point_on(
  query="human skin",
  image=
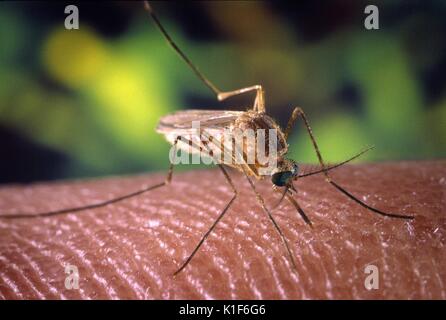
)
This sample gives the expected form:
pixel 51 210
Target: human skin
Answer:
pixel 130 249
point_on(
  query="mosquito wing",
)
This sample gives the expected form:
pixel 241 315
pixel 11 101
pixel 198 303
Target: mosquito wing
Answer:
pixel 193 124
pixel 209 119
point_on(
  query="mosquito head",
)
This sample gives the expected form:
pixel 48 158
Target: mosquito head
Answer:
pixel 286 171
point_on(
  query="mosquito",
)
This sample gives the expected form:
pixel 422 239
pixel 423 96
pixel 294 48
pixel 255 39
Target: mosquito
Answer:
pixel 282 177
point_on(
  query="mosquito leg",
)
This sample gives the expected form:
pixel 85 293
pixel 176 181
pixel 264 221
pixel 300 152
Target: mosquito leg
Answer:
pixel 299 112
pixel 177 49
pixel 270 216
pixel 259 102
pixel 386 214
pixel 99 204
pixel 228 178
pixel 262 203
pixel 291 123
pixel 171 165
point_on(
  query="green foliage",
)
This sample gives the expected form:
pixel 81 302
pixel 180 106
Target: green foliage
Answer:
pixel 103 97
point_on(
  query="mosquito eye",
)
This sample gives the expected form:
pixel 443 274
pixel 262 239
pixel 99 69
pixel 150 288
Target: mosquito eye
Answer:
pixel 281 178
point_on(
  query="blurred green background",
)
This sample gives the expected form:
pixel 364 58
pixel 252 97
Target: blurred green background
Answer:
pixel 82 103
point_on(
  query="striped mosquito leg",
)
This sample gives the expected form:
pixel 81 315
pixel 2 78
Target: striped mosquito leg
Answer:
pixel 299 112
pixel 220 216
pixel 270 216
pixel 225 209
pixel 259 102
pixel 95 205
pixel 170 172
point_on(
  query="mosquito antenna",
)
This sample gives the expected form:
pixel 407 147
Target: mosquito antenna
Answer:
pixel 205 80
pixel 336 165
pixel 91 206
